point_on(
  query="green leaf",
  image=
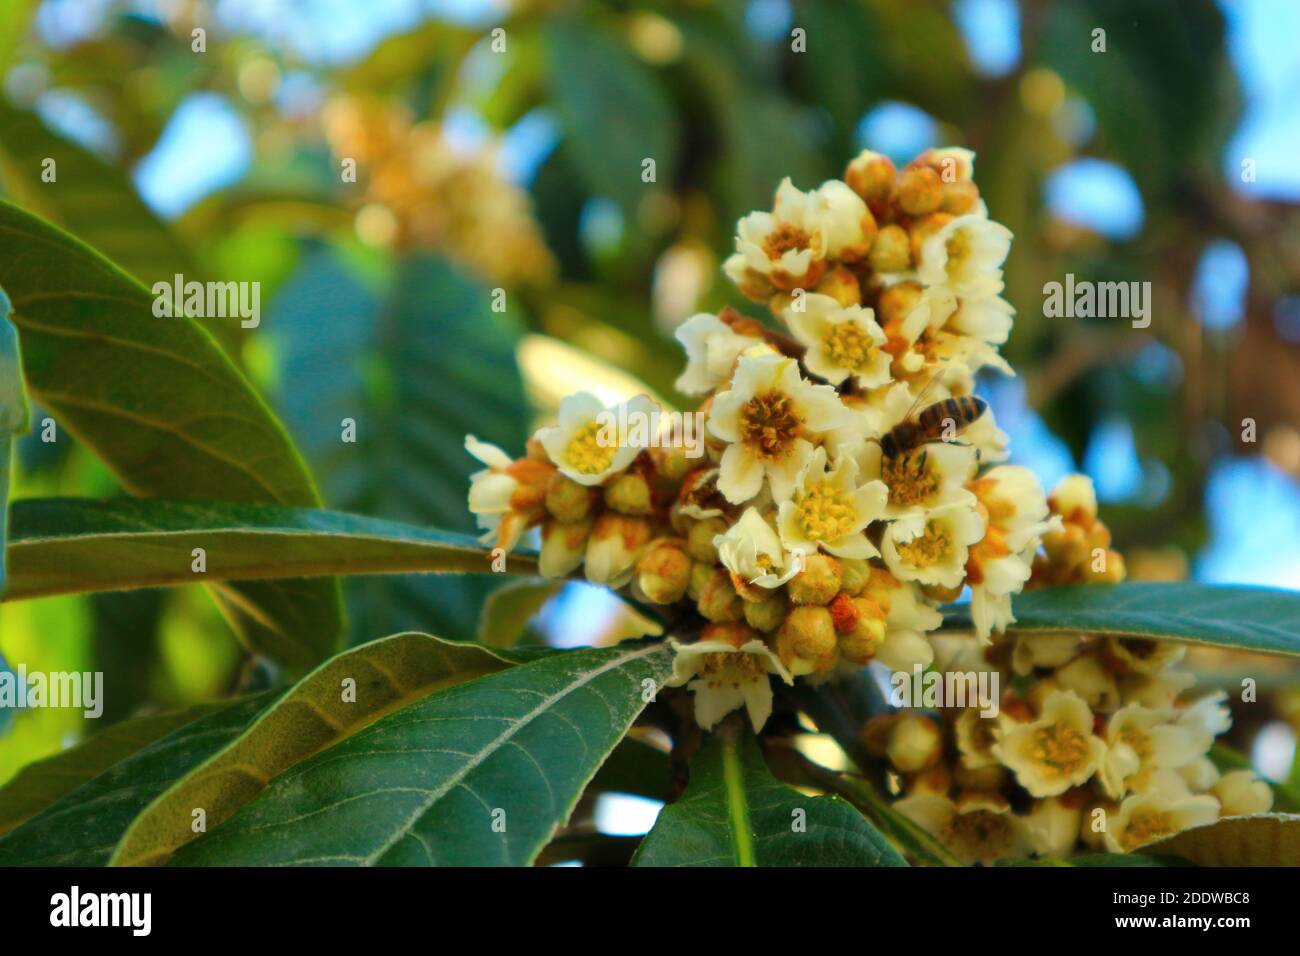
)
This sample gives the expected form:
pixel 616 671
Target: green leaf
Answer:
pixel 426 784
pixel 1249 618
pixel 318 713
pixel 735 813
pixel 94 201
pixel 69 545
pixel 1264 839
pixel 14 417
pixel 613 111
pixel 82 828
pixel 418 364
pixel 40 784
pixel 165 409
pixel 509 609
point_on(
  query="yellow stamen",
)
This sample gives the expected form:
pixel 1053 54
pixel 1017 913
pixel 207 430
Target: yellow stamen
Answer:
pixel 827 513
pixel 586 453
pixel 848 345
pixel 769 424
pixel 926 549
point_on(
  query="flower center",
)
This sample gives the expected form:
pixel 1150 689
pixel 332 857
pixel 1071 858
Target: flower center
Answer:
pixel 731 670
pixel 979 834
pixel 768 423
pixel 926 549
pixel 1136 739
pixel 1145 826
pixel 909 478
pixel 586 453
pixel 826 513
pixel 959 249
pixel 1060 747
pixel 785 238
pixel 848 345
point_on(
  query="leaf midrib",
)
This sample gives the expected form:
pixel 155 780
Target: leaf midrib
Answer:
pixel 501 740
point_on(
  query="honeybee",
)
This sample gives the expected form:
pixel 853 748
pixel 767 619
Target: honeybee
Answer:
pixel 940 421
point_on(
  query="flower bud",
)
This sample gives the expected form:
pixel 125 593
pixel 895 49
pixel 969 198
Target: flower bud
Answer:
pixel 731 632
pixel 568 501
pixel 766 615
pixel 842 286
pixel 937 780
pixel 892 250
pixel 871 175
pixel 699 540
pixel 563 546
pixel 806 642
pixel 614 547
pixel 629 494
pixel 672 462
pixel 1242 793
pixel 859 645
pixel 817 583
pixel 718 601
pixel 960 197
pixel 854 575
pixel 700 575
pixel 664 572
pixel 915 744
pixel 919 190
pixel 897 301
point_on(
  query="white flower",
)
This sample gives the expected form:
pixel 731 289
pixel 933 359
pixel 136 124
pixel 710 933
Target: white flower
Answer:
pixel 845 221
pixel 1075 499
pixel 727 674
pixel 841 341
pixel 753 552
pixel 1145 740
pixel 966 255
pixel 923 479
pixel 771 417
pixel 1087 677
pixel 1054 827
pixel 976 736
pixel 1161 811
pixel 1145 655
pixel 787 247
pixel 1056 751
pixel 829 509
pixel 589 444
pixel 1242 793
pixel 932 549
pixel 1016 518
pixel 505 497
pixel 712 349
pixel 980 828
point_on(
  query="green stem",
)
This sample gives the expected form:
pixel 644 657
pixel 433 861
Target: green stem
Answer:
pixel 737 806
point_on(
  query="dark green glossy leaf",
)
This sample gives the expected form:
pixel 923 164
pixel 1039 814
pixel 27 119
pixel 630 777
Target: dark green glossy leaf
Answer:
pixel 65 545
pixel 164 408
pixel 735 813
pixel 14 416
pixel 94 201
pixel 82 828
pixel 40 784
pixel 1249 618
pixel 613 112
pixel 481 774
pixel 417 363
pixel 323 709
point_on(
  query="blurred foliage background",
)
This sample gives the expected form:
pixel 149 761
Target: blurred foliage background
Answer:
pixel 499 148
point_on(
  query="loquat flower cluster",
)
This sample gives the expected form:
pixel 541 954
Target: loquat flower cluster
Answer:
pixel 847 482
pixel 1097 747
